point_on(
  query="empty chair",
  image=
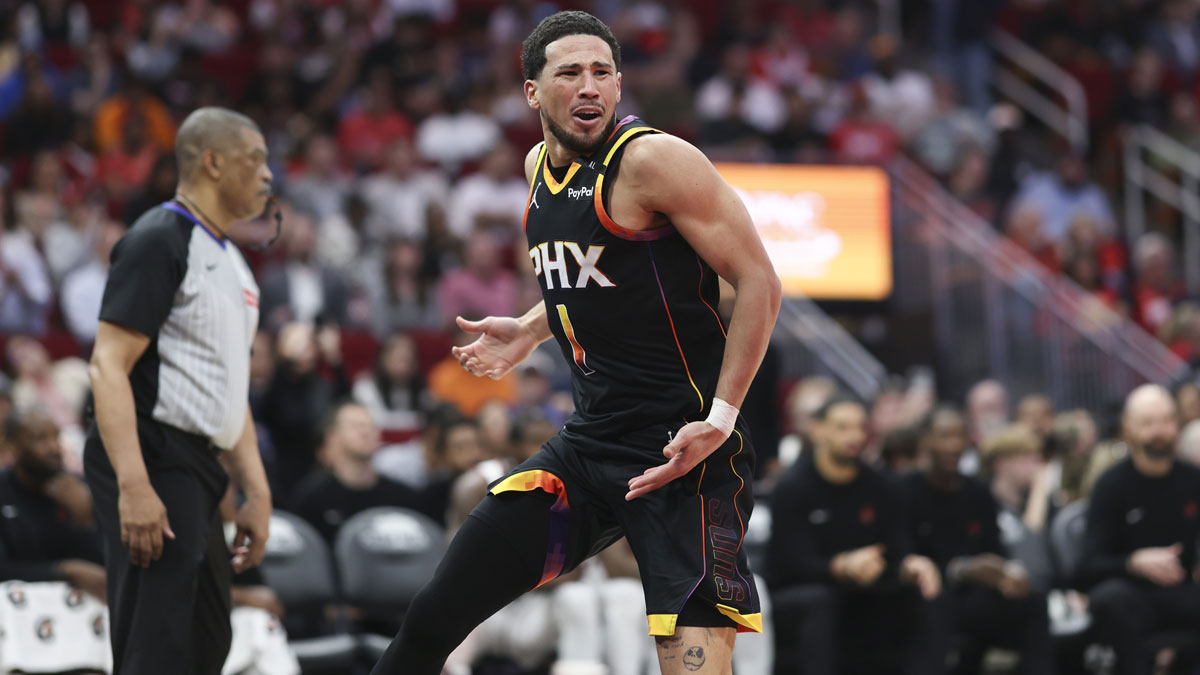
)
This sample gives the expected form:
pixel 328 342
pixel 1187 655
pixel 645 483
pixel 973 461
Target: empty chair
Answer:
pixel 299 567
pixel 385 555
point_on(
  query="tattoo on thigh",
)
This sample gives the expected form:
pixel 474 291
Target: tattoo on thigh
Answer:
pixel 668 644
pixel 694 658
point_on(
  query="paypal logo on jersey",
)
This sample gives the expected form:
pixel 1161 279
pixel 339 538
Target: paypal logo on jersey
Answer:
pixel 553 263
pixel 580 193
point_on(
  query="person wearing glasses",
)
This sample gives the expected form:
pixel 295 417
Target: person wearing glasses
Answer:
pixel 170 373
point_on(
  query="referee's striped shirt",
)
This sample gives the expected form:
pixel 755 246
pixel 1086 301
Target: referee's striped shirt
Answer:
pixel 194 296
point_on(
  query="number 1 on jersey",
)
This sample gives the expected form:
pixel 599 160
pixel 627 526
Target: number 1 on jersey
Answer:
pixel 580 356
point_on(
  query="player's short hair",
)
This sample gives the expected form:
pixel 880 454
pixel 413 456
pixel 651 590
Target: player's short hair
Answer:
pixel 560 25
pixel 208 128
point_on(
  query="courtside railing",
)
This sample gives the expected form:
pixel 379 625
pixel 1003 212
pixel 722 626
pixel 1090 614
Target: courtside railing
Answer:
pixel 1168 170
pixel 1042 89
pixel 812 343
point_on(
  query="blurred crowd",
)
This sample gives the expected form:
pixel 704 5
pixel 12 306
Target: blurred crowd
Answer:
pixel 396 130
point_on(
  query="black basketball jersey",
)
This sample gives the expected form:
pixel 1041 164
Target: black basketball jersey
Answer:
pixel 634 312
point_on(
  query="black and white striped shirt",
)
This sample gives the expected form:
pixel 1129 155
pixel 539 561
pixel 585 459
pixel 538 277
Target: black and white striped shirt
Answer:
pixel 195 297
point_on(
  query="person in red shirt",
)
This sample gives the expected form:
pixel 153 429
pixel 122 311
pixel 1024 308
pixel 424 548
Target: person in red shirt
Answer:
pixel 1158 286
pixel 860 138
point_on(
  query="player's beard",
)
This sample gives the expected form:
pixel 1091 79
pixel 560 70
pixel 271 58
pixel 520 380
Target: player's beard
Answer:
pixel 577 143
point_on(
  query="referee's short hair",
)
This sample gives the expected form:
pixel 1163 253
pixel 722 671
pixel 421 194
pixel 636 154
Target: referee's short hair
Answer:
pixel 208 128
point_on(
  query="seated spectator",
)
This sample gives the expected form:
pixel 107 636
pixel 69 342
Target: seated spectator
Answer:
pixel 1036 412
pixel 83 287
pixel 860 137
pixel 298 396
pixel 1157 287
pixel 134 99
pixel 1012 458
pixel 57 387
pixel 25 293
pixel 403 199
pixel 954 520
pixel 299 288
pixel 482 285
pixel 902 96
pixel 987 411
pixel 805 398
pixel 493 198
pixel 399 288
pixel 48 532
pixel 320 187
pixel 450 383
pixel 461 131
pixel 840 554
pixel 902 452
pixel 393 391
pixel 1187 398
pixel 126 166
pixel 1188 447
pixel 1025 227
pixel 1062 195
pixel 349 483
pixel 1142 525
pixel 453 447
pixel 365 132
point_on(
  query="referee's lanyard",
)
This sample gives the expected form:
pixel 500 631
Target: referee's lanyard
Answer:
pixel 177 208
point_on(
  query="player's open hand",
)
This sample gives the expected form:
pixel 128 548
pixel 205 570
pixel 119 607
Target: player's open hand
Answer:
pixel 694 442
pixel 504 342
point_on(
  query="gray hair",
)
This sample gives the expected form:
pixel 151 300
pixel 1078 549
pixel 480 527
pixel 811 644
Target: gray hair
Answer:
pixel 209 128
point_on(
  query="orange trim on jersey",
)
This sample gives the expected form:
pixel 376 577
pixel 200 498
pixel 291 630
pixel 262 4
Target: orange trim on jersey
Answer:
pixel 534 479
pixel 700 292
pixel 556 545
pixel 598 199
pixel 674 333
pixel 532 187
pixel 555 186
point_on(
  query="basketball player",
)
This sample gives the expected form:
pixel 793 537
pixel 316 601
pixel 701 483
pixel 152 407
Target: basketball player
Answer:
pixel 628 230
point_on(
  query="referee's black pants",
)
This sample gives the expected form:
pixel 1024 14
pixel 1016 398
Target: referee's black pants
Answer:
pixel 173 616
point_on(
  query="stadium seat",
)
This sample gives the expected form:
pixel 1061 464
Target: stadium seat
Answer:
pixel 299 568
pixel 385 555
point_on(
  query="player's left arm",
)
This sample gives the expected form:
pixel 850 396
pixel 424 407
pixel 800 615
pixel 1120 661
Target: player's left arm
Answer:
pixel 670 176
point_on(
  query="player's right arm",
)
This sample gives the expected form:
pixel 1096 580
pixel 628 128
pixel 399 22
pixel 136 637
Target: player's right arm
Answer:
pixel 504 341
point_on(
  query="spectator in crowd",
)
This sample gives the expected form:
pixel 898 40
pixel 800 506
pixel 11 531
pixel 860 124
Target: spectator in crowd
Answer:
pixel 950 133
pixel 126 166
pixel 1144 99
pixel 1036 412
pixel 482 285
pixel 404 200
pixel 319 188
pixel 451 383
pixel 840 553
pixel 961 29
pixel 25 292
pixel 734 93
pixel 83 287
pixel 340 236
pixel 804 399
pixel 1175 36
pixel 1142 523
pixel 393 391
pixel 987 409
pixel 1064 194
pixel 902 452
pixel 453 447
pixel 133 102
pixel 861 137
pixel 58 387
pixel 1188 447
pixel 348 483
pixel 492 198
pixel 902 96
pixel 954 520
pixel 461 132
pixel 399 288
pixel 1158 286
pixel 1187 399
pixel 373 125
pixel 298 396
pixel 158 188
pixel 48 532
pixel 1012 458
pixel 299 288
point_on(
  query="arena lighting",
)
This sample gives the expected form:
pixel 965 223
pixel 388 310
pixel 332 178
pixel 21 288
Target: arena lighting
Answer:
pixel 827 229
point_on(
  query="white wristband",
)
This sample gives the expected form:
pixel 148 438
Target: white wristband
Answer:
pixel 722 416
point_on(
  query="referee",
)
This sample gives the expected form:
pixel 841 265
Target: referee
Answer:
pixel 170 373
